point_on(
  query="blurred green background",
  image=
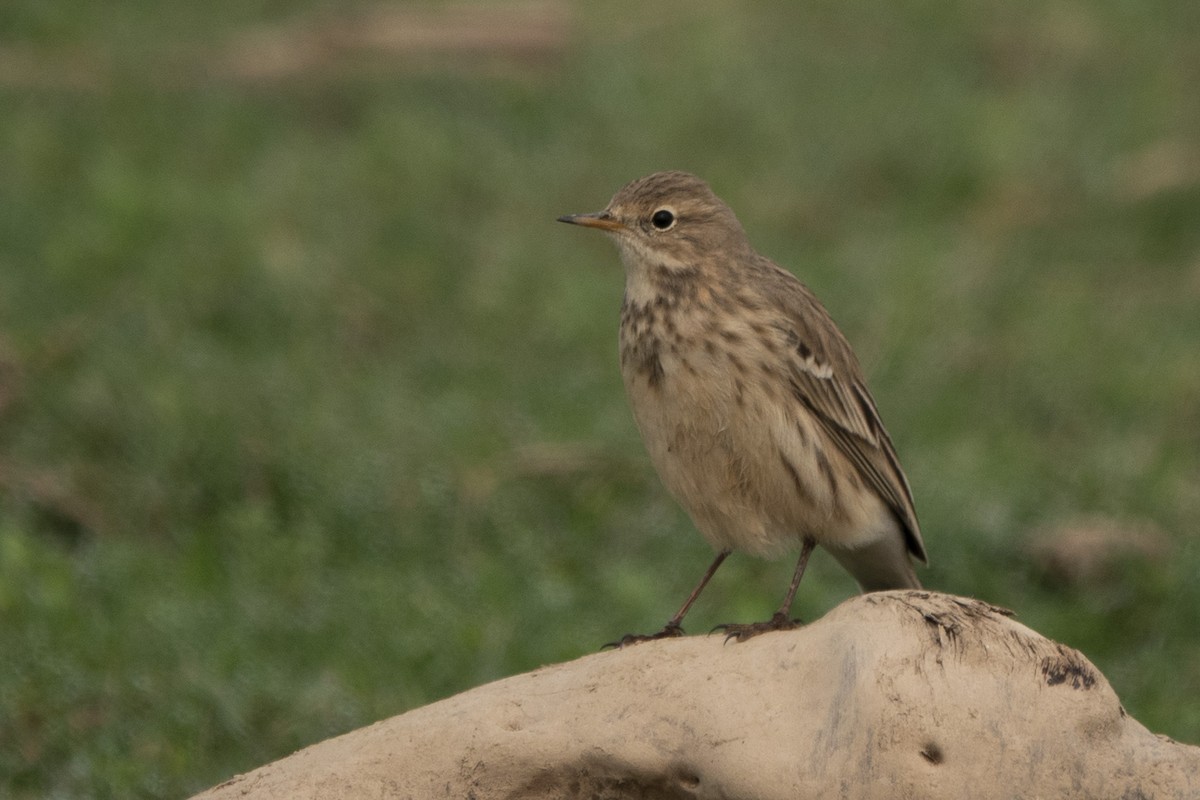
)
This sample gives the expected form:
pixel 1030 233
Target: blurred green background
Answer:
pixel 310 412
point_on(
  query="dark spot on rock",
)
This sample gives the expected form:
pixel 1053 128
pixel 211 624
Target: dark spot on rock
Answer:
pixel 944 627
pixel 1135 793
pixel 1068 667
pixel 688 779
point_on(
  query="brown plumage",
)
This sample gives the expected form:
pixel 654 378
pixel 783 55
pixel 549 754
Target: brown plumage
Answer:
pixel 751 403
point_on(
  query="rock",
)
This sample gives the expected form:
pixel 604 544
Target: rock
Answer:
pixel 891 695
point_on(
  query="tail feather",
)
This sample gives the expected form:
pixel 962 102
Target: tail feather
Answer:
pixel 880 566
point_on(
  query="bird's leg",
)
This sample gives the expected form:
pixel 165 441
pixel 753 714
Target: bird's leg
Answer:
pixel 673 623
pixel 801 564
pixel 781 620
pixel 673 626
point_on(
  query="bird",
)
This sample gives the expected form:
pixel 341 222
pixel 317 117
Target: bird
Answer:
pixel 749 399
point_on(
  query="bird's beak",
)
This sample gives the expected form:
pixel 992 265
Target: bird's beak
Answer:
pixel 601 219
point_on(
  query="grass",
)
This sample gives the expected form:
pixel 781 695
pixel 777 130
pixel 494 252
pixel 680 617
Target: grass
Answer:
pixel 309 412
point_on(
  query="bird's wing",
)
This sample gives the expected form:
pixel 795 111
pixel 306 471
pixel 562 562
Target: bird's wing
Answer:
pixel 824 375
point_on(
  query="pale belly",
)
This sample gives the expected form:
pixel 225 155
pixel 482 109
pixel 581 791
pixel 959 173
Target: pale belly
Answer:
pixel 750 468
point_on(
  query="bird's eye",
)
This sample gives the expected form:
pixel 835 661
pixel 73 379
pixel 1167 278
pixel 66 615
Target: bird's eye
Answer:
pixel 662 219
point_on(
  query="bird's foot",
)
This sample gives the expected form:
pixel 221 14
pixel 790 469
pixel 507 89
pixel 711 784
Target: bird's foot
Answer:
pixel 740 632
pixel 669 631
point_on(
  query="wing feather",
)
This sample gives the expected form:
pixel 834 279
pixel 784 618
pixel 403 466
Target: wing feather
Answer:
pixel 825 377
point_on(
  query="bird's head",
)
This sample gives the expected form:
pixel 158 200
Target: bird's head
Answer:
pixel 668 220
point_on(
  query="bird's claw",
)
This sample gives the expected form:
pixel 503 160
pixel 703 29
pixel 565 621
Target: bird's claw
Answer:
pixel 669 631
pixel 740 632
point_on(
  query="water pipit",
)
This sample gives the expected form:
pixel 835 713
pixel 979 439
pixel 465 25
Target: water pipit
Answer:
pixel 750 401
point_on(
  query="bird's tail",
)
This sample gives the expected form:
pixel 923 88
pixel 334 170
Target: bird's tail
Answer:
pixel 880 566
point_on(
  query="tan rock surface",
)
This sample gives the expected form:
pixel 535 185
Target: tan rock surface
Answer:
pixel 890 695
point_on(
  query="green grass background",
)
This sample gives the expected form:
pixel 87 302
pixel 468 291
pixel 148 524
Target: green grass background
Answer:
pixel 310 412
